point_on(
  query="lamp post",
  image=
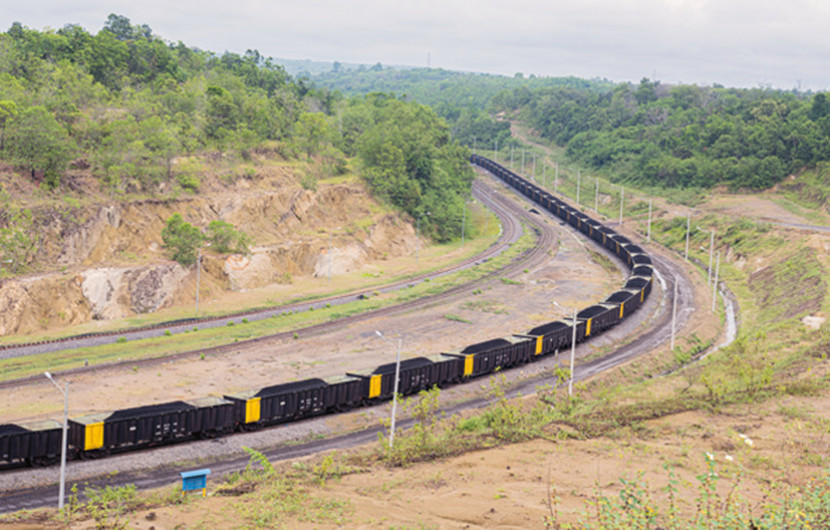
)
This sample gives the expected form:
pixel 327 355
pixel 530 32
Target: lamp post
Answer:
pixel 418 237
pixel 688 229
pixel 711 253
pixel 65 392
pixel 395 390
pixel 573 352
pixel 199 276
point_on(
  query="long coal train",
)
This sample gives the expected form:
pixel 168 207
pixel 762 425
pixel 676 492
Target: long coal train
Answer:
pixel 104 433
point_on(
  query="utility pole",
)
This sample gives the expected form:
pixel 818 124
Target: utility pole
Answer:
pixel 715 284
pixel 544 174
pixel 395 390
pixel 596 196
pixel 578 179
pixel 688 229
pixel 621 204
pixel 648 230
pixel 674 313
pixel 475 141
pixel 511 158
pixel 711 254
pixel 534 167
pixel 573 354
pixel 556 177
pixel 496 150
pixel 523 162
pixel 65 392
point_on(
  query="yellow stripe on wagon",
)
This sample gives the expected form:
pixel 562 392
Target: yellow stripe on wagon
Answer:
pixel 588 327
pixel 94 436
pixel 253 410
pixel 374 385
pixel 468 364
pixel 539 340
pixel 622 309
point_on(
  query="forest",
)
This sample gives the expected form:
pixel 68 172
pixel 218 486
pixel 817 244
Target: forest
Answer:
pixel 130 108
pixel 671 136
pixel 462 98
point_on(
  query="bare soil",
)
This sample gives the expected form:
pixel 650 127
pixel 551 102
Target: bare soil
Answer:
pixel 570 277
pixel 518 486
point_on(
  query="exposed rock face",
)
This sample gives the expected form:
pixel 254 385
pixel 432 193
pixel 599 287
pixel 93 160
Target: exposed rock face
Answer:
pixel 41 303
pixel 117 293
pixel 122 269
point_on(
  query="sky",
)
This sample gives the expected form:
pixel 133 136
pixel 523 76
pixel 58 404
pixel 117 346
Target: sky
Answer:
pixel 737 43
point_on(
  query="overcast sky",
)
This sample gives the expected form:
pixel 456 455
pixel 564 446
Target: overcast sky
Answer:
pixel 747 43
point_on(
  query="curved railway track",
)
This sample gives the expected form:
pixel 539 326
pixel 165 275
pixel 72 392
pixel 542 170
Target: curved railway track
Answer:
pixel 655 333
pixel 511 231
pixel 511 218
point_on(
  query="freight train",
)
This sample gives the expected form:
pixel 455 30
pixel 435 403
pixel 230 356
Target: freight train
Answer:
pixel 100 434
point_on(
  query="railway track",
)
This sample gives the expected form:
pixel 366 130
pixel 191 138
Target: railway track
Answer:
pixel 511 231
pixel 657 330
pixel 510 216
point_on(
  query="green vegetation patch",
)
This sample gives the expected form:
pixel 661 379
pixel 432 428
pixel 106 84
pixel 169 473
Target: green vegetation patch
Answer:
pixel 791 287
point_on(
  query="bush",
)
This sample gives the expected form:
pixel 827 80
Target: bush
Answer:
pixel 226 239
pixel 181 239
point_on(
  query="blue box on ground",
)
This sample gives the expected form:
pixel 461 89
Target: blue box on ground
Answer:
pixel 195 480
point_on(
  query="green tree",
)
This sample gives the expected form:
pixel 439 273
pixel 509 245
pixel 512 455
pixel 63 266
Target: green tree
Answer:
pixel 38 142
pixel 226 239
pixel 182 239
pixel 8 109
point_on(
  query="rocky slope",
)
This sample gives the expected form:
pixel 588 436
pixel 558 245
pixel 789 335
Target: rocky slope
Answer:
pixel 105 260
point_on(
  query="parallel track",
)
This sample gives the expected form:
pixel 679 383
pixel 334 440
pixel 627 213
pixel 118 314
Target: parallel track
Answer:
pixel 511 232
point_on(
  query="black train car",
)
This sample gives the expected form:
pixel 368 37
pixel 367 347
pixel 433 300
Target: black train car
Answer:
pixel 419 373
pixel 646 270
pixel 151 425
pixel 34 443
pixel 558 334
pixel 599 317
pixel 485 357
pixel 627 299
pixel 288 401
pixel 642 283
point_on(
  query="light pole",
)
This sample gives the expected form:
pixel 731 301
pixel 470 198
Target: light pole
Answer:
pixel 418 237
pixel 715 285
pixel 199 276
pixel 673 313
pixel 622 193
pixel 65 392
pixel 711 253
pixel 395 390
pixel 688 229
pixel 578 185
pixel 573 352
pixel 648 230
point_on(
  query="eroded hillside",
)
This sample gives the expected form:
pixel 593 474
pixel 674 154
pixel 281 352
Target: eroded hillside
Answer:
pixel 101 257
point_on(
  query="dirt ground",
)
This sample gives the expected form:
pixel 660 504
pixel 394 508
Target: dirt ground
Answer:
pixel 570 277
pixel 511 487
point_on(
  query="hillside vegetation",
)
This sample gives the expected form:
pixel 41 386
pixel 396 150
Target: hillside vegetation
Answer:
pixel 138 116
pixel 681 136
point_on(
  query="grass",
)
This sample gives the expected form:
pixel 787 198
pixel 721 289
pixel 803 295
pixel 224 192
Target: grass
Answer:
pixel 159 347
